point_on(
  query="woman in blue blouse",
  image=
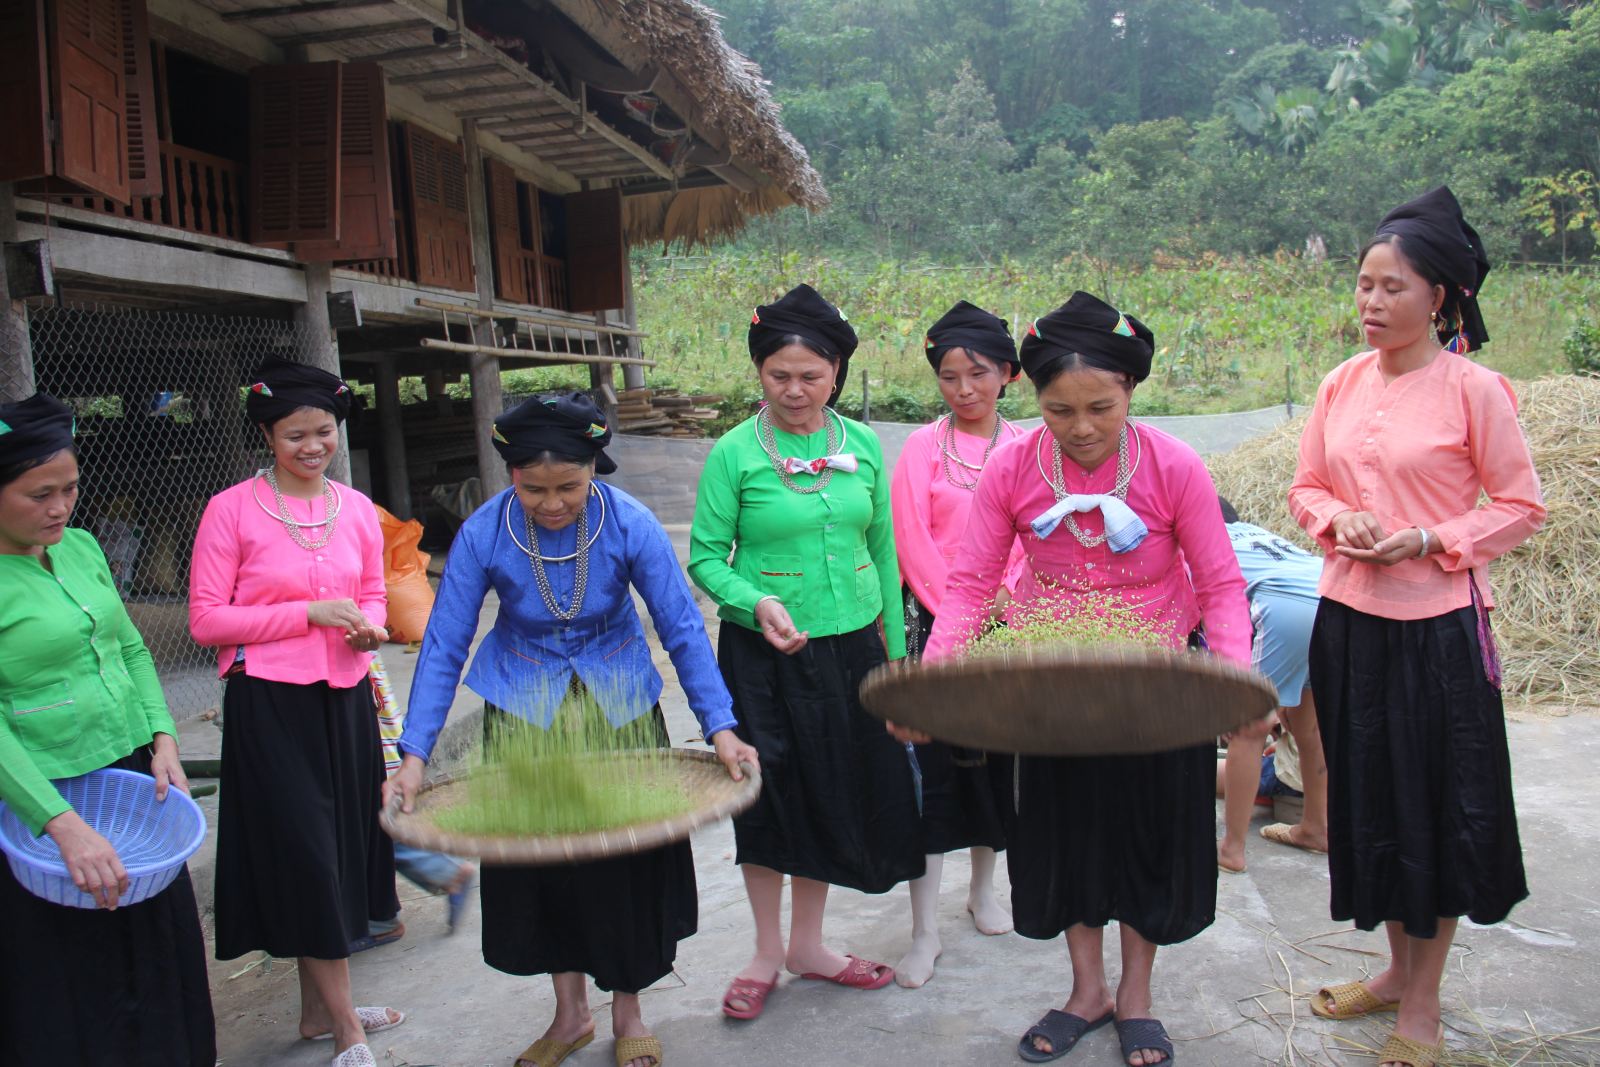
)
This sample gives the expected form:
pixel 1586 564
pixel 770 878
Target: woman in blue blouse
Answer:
pixel 570 626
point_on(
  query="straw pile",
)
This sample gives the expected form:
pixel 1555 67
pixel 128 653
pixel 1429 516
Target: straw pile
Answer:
pixel 1548 598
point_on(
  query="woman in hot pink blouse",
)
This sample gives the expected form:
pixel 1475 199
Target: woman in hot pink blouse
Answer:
pixel 1104 508
pixel 974 357
pixel 1403 442
pixel 287 583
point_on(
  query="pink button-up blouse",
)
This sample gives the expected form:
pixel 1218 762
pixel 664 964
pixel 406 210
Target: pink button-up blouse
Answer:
pixel 249 585
pixel 1184 571
pixel 1416 451
pixel 930 514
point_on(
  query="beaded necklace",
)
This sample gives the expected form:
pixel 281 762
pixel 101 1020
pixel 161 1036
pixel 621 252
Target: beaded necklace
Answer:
pixel 948 452
pixel 1058 482
pixel 332 504
pixel 837 435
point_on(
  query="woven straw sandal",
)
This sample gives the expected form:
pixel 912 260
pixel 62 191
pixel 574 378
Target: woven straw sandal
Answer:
pixel 1348 1000
pixel 638 1048
pixel 1412 1053
pixel 547 1051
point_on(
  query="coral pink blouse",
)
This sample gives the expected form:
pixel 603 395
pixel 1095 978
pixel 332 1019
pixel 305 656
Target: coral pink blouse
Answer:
pixel 930 514
pixel 1417 451
pixel 1185 571
pixel 249 585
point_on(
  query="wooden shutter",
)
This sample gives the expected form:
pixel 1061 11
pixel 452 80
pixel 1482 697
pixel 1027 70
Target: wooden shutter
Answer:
pixel 366 197
pixel 597 256
pixel 294 152
pixel 87 95
pixel 25 118
pixel 440 230
pixel 139 100
pixel 504 233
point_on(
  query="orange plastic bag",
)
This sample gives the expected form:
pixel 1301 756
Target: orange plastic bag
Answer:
pixel 405 577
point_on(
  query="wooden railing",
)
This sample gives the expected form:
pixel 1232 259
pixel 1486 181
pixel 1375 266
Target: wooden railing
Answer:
pixel 202 194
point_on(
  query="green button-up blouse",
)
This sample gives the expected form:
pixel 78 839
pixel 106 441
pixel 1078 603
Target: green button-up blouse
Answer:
pixel 828 555
pixel 78 689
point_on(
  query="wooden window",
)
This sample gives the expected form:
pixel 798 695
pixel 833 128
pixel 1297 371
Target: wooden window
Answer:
pixel 139 96
pixel 87 95
pixel 597 255
pixel 505 233
pixel 294 152
pixel 441 235
pixel 366 196
pixel 25 120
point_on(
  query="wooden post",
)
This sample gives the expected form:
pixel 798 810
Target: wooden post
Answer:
pixel 396 472
pixel 602 376
pixel 16 349
pixel 487 397
pixel 323 348
pixel 632 373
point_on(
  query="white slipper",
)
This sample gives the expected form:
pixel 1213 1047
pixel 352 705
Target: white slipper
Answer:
pixel 355 1056
pixel 373 1020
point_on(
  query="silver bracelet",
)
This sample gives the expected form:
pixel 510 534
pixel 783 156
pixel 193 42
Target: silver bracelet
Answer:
pixel 762 600
pixel 1423 551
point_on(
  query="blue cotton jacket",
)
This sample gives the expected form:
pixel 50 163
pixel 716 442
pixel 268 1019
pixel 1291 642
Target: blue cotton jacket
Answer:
pixel 527 661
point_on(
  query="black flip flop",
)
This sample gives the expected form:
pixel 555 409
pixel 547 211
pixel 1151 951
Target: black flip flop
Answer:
pixel 1144 1035
pixel 1062 1029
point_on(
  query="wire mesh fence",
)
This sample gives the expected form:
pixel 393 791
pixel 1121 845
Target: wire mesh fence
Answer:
pixel 161 428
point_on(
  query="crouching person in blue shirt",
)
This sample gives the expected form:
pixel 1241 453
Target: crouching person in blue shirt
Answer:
pixel 561 551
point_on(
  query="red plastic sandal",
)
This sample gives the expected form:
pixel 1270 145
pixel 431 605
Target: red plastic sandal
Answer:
pixel 858 974
pixel 754 995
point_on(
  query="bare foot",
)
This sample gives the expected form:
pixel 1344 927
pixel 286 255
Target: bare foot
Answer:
pixel 1230 856
pixel 916 966
pixel 988 916
pixel 818 960
pixel 322 1025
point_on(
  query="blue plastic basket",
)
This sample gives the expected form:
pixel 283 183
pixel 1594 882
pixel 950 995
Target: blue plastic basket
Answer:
pixel 153 839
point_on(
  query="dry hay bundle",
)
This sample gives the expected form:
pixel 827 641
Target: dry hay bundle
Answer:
pixel 1547 618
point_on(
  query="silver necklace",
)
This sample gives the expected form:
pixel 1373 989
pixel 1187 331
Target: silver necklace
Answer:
pixel 948 452
pixel 331 506
pixel 1058 482
pixel 580 584
pixel 769 444
pixel 511 499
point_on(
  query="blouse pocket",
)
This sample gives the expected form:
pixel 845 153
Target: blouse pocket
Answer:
pixel 783 577
pixel 867 589
pixel 45 717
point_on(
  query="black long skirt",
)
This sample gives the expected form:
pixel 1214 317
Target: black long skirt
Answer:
pixel 1421 819
pixel 617 920
pixel 837 802
pixel 301 862
pixel 91 986
pixel 966 793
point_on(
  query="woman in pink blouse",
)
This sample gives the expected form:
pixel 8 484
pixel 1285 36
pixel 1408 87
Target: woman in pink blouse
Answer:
pixel 287 583
pixel 1402 443
pixel 1104 508
pixel 974 357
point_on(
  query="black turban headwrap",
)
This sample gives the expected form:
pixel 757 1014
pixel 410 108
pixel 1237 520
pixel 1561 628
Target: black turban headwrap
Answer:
pixel 802 313
pixel 279 388
pixel 564 424
pixel 1102 335
pixel 34 428
pixel 969 326
pixel 1434 234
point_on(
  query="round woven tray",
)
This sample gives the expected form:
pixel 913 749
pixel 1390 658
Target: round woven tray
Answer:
pixel 1071 702
pixel 716 797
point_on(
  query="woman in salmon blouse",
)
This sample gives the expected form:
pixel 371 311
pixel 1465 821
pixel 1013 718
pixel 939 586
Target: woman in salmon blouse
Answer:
pixel 974 357
pixel 1402 442
pixel 287 583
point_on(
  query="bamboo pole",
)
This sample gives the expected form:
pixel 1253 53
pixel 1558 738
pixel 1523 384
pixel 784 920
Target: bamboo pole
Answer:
pixel 529 353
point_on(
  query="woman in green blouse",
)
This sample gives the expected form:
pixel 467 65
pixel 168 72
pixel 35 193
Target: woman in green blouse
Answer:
pixel 78 692
pixel 793 539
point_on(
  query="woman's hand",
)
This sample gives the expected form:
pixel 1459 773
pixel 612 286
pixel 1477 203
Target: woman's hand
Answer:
pixel 367 638
pixel 337 615
pixel 406 783
pixel 778 628
pixel 166 766
pixel 906 735
pixel 732 752
pixel 93 863
pixel 1357 529
pixel 1406 544
pixel 1002 600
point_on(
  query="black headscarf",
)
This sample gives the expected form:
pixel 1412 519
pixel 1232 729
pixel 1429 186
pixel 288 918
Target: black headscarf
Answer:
pixel 566 424
pixel 279 388
pixel 1102 335
pixel 969 326
pixel 34 428
pixel 801 312
pixel 1434 233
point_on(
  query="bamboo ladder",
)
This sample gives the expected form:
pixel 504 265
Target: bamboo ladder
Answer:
pixel 607 336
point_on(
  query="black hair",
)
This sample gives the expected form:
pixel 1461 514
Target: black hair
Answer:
pixel 1428 273
pixel 1057 365
pixel 269 424
pixel 558 458
pixel 784 340
pixel 1001 365
pixel 10 472
pixel 1228 512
